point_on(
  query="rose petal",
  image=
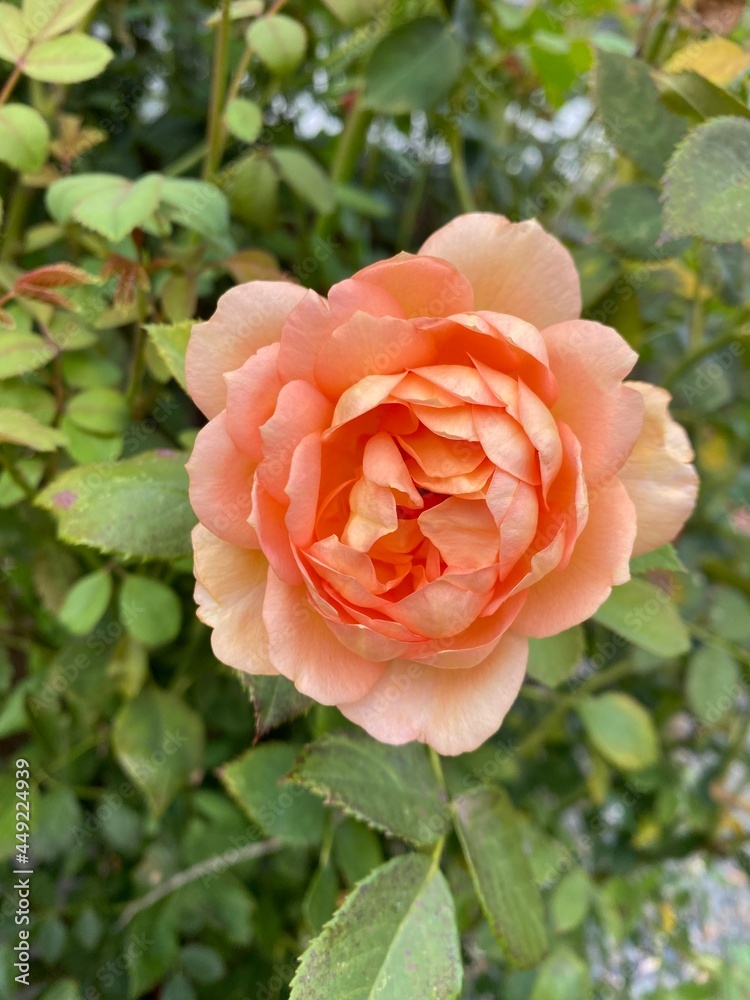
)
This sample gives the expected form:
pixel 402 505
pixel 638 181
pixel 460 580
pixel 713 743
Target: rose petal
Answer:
pixel 515 268
pixel 221 482
pixel 600 560
pixel 252 393
pixel 590 361
pixel 463 531
pixel 303 648
pixel 247 318
pixel 230 586
pixel 422 285
pixel 454 711
pixel 658 476
pixel 300 410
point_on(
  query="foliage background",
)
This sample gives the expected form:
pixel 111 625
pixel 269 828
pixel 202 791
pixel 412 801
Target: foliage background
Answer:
pixel 616 792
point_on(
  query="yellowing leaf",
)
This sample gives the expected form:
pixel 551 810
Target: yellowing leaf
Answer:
pixel 24 137
pixel 14 36
pixel 68 59
pixel 716 59
pixel 45 19
pixel 18 427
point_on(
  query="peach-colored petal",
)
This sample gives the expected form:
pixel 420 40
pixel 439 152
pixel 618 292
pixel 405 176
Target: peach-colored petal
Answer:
pixel 454 711
pixel 365 345
pixel 252 392
pixel 453 422
pixel 302 488
pixel 600 560
pixel 515 268
pixel 461 484
pixel 442 457
pixel 268 519
pixel 363 397
pixel 446 606
pixel 247 318
pixel 461 381
pixel 221 483
pixel 590 361
pixel 230 586
pixel 423 286
pixel 506 443
pixel 373 514
pixel 463 531
pixel 305 330
pixel 542 432
pixel 383 464
pixel 300 410
pixel 303 648
pixel 658 476
pixel 515 508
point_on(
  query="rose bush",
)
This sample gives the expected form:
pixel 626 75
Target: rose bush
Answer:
pixel 398 485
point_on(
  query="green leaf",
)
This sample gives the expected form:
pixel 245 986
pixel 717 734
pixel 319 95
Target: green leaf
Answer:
pixel 24 137
pixel 352 12
pixel 69 59
pixel 712 683
pixel 45 20
pixel 413 67
pixel 99 411
pixel 170 341
pixel 663 558
pixel 305 177
pixel 149 610
pixel 135 508
pixel 244 119
pixel 197 205
pixel 319 902
pixel 23 352
pixel 19 427
pixel 598 270
pixel 391 787
pixel 646 616
pixel 202 964
pixel 158 741
pixel 707 183
pixel 569 903
pixel 730 616
pixel 395 936
pixel 636 121
pixel 630 218
pixel 275 700
pixel 356 849
pixel 621 730
pixel 491 837
pixel 14 35
pixel 86 602
pixel 554 660
pixel 279 42
pixel 238 9
pixel 280 809
pixel 110 205
pixel 152 946
pixel 564 976
pixel 693 95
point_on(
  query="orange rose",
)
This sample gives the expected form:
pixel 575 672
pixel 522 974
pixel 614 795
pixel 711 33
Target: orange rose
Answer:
pixel 400 484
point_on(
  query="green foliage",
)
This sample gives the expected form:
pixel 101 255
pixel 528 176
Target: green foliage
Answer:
pixel 392 788
pixel 394 936
pixel 707 188
pixel 150 157
pixel 492 840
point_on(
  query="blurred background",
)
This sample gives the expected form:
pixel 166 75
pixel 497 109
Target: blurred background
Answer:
pixel 195 146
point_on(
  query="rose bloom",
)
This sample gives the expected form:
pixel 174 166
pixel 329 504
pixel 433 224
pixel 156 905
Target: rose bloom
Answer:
pixel 398 485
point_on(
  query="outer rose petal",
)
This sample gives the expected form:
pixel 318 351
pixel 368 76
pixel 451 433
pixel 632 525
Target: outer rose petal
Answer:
pixel 230 585
pixel 221 483
pixel 453 710
pixel 515 268
pixel 590 361
pixel 658 477
pixel 600 560
pixel 422 286
pixel 252 392
pixel 303 648
pixel 247 318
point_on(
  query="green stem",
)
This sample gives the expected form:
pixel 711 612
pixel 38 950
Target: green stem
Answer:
pixel 188 160
pixel 460 174
pixel 10 84
pixel 218 88
pixel 725 645
pixel 15 222
pixel 214 865
pixel 138 365
pixel 350 144
pixel 656 43
pixel 9 464
pixel 437 767
pixel 536 739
